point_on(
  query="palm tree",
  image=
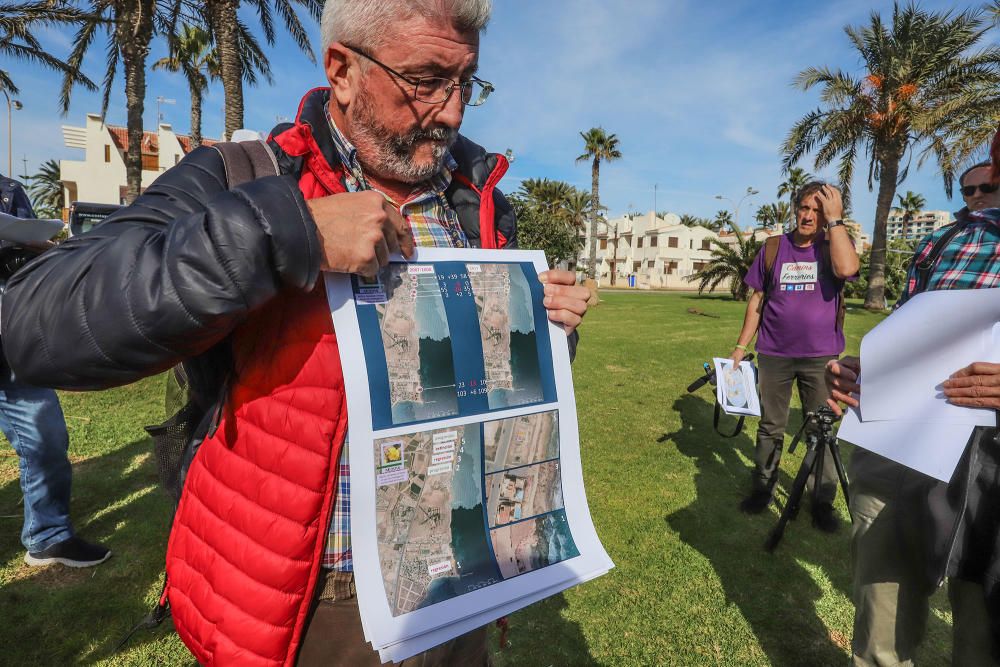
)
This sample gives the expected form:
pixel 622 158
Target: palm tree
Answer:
pixel 776 216
pixel 910 204
pixel 191 54
pixel 724 219
pixel 797 177
pixel 230 36
pixel 46 190
pixel 129 26
pixel 597 145
pixel 17 41
pixel 577 209
pixel 925 88
pixel 730 262
pixel 689 220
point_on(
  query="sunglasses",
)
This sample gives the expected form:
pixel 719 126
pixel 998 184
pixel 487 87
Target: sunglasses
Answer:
pixel 985 188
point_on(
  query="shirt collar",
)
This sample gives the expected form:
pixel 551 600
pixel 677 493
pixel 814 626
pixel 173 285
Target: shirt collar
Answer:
pixel 348 155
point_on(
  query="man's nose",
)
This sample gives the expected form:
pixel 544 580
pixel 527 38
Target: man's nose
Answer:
pixel 451 111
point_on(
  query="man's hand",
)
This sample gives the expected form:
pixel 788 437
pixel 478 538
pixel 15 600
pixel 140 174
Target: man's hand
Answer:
pixel 358 232
pixel 831 202
pixel 565 301
pixel 975 386
pixel 842 381
pixel 737 356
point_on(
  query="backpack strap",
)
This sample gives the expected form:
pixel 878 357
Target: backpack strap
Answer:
pixel 841 301
pixel 245 161
pixel 926 265
pixel 770 257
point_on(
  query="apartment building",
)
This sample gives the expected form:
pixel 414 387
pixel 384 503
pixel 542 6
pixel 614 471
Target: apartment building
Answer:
pixel 655 251
pixel 920 225
pixel 100 176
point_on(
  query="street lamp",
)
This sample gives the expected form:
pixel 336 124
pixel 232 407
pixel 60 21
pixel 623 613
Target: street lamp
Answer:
pixel 12 105
pixel 736 209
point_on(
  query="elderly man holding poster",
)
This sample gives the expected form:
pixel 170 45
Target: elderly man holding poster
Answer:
pixel 228 282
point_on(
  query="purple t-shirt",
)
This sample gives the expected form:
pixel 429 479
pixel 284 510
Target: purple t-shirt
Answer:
pixel 800 317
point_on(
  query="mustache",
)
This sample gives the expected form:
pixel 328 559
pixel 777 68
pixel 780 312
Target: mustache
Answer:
pixel 444 135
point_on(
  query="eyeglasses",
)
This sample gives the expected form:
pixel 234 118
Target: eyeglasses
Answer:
pixel 438 89
pixel 986 188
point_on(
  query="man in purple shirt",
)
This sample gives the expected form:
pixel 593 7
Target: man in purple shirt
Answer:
pixel 794 312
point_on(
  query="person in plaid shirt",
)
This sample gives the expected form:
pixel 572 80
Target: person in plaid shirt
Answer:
pixel 910 531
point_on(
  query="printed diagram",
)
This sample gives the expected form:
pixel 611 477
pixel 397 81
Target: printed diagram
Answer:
pixel 417 342
pixel 507 328
pixel 521 440
pixel 428 505
pixel 533 544
pixel 735 391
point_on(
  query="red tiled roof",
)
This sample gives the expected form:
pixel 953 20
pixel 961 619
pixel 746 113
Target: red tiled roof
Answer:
pixel 150 140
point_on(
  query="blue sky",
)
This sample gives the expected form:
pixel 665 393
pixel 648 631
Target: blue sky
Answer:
pixel 698 93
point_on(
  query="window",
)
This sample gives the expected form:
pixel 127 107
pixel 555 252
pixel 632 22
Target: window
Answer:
pixel 669 267
pixel 604 244
pixel 636 266
pixel 150 162
pixel 706 244
pixel 640 242
pixel 107 153
pixel 671 241
pixel 698 266
pixel 652 241
pixel 649 264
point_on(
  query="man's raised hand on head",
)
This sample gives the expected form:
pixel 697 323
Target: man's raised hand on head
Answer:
pixel 358 231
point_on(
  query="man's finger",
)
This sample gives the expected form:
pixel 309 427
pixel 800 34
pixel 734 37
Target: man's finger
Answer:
pixel 558 277
pixel 568 319
pixel 967 402
pixel 382 252
pixel 835 407
pixel 404 236
pixel 972 390
pixel 577 306
pixel 977 368
pixel 571 291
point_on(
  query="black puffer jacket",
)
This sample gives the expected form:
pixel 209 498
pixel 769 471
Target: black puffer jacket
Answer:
pixel 170 276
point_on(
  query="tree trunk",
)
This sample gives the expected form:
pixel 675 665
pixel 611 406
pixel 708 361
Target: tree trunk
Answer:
pixel 875 297
pixel 195 117
pixel 134 31
pixel 226 39
pixel 595 205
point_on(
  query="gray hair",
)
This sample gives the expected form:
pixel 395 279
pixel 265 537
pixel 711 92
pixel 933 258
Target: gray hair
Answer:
pixel 366 23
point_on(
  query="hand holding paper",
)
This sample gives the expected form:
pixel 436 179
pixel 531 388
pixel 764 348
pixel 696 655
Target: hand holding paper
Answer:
pixel 975 386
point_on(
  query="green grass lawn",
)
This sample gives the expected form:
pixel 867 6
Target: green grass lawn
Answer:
pixel 692 585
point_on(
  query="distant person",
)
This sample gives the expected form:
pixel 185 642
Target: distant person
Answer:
pixel 33 422
pixel 796 312
pixel 911 532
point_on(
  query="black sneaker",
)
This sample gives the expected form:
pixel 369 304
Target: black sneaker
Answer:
pixel 824 518
pixel 73 552
pixel 756 502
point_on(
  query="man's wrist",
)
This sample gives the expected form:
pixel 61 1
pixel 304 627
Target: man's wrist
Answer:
pixel 740 346
pixel 839 222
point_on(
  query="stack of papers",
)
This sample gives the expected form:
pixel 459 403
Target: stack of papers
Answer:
pixel 467 497
pixel 736 387
pixel 904 360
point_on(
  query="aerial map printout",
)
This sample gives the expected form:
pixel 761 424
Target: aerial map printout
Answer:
pixel 467 497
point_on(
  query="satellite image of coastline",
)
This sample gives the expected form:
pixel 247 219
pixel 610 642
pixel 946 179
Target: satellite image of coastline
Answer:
pixel 507 326
pixel 521 440
pixel 431 538
pixel 536 543
pixel 417 342
pixel 520 493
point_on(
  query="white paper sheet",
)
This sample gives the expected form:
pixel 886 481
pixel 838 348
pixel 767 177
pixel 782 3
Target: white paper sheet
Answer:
pixel 736 389
pixel 907 356
pixel 933 448
pixel 21 230
pixel 460 398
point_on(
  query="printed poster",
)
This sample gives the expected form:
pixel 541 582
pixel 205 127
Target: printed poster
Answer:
pixel 467 497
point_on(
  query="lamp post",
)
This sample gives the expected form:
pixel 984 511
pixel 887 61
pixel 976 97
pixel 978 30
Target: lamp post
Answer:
pixel 12 105
pixel 736 208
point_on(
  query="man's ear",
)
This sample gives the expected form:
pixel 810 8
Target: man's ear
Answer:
pixel 340 66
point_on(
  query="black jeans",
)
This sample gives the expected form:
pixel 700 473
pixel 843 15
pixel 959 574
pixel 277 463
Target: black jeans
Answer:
pixel 775 375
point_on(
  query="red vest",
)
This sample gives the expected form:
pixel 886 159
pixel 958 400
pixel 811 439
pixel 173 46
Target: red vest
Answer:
pixel 245 548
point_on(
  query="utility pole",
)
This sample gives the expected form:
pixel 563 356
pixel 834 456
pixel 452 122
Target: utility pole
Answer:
pixel 654 199
pixel 25 161
pixel 161 101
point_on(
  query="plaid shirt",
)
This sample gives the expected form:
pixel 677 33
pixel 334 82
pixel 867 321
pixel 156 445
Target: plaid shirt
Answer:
pixel 434 223
pixel 971 260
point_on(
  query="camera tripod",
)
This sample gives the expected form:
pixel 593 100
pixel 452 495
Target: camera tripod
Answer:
pixel 820 442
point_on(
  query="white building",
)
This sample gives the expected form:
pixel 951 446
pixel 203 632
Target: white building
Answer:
pixel 659 252
pixel 920 225
pixel 100 176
